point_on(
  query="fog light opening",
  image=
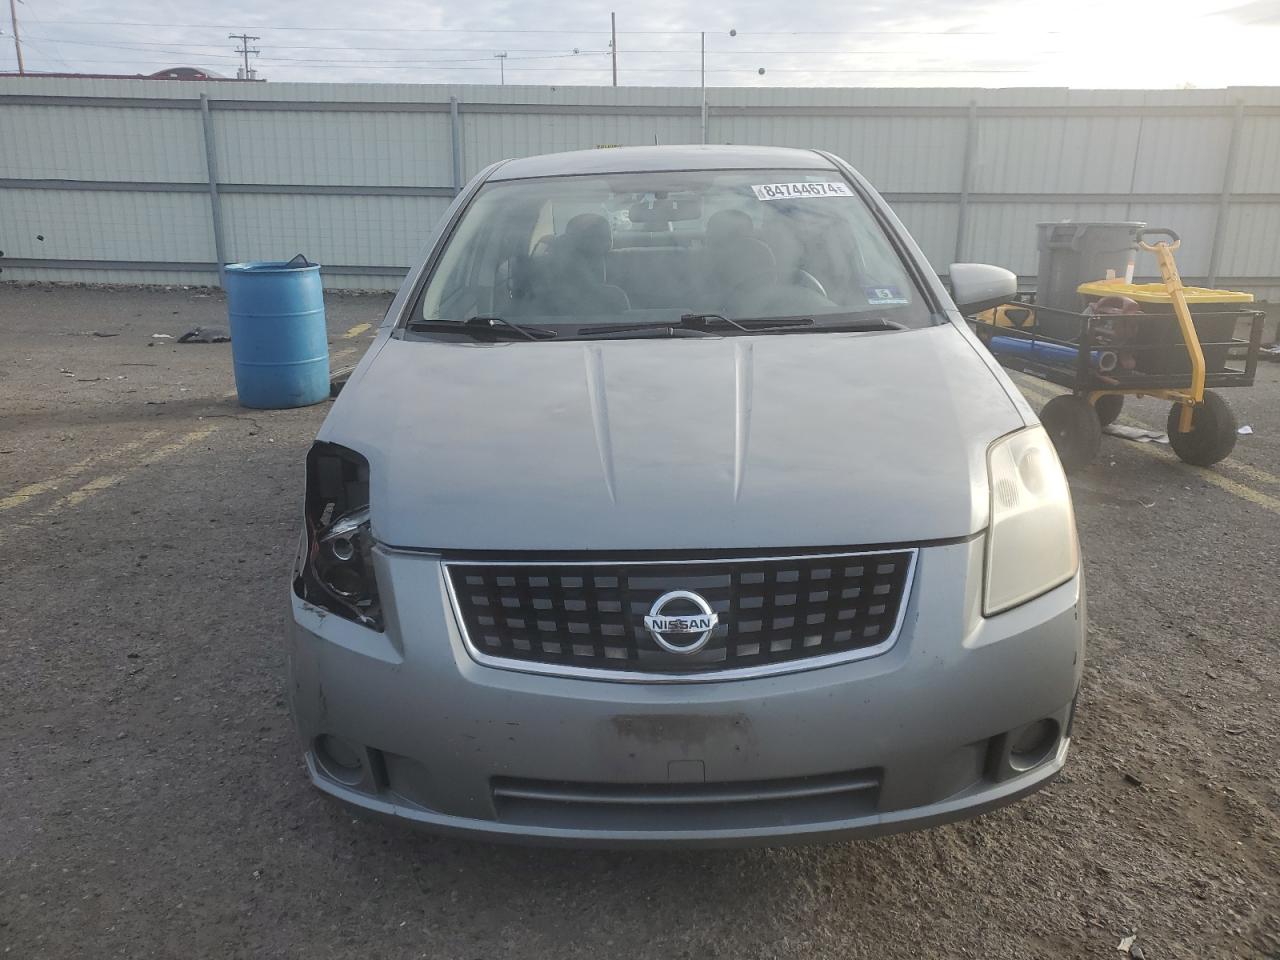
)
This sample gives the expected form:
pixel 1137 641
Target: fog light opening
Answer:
pixel 339 759
pixel 1033 744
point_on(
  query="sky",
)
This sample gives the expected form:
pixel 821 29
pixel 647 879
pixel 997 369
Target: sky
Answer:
pixel 834 43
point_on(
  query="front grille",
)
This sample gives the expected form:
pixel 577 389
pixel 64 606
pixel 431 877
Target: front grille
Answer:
pixel 774 613
pixel 686 806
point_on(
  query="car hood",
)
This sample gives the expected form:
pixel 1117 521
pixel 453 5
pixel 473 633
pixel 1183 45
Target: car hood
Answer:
pixel 717 443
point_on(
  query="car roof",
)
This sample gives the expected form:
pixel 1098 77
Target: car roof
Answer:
pixel 655 159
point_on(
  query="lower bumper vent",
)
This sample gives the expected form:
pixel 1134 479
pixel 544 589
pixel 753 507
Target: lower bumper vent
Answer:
pixel 686 806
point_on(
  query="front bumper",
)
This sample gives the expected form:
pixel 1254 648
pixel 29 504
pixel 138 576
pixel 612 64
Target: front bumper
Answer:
pixel 920 735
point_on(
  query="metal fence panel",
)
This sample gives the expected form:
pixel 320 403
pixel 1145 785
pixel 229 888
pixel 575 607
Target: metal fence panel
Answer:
pixel 113 174
pixel 933 225
pixel 338 148
pixel 917 154
pixel 1251 239
pixel 112 225
pixel 1181 154
pixel 41 142
pixel 331 230
pixel 1259 165
pixel 1066 154
pixel 1005 233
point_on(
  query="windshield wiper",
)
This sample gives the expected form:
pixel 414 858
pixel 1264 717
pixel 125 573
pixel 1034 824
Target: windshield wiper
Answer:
pixel 859 326
pixel 483 328
pixel 700 324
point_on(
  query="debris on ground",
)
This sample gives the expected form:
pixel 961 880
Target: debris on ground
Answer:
pixel 338 379
pixel 205 335
pixel 1131 778
pixel 104 334
pixel 1125 944
pixel 1245 430
pixel 1138 434
pixel 162 336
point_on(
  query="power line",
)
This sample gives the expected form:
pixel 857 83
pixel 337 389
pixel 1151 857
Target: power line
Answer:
pixel 131 44
pixel 53 53
pixel 486 57
pixel 162 46
pixel 603 68
pixel 564 32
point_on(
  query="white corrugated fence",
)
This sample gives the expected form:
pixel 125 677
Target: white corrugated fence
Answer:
pixel 110 180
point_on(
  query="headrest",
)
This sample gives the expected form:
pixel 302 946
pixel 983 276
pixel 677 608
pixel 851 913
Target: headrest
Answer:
pixel 748 261
pixel 726 225
pixel 588 234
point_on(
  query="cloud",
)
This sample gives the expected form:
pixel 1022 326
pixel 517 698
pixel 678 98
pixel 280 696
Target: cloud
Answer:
pixel 830 43
pixel 1255 14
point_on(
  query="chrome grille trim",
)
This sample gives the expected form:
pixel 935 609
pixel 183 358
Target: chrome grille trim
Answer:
pixel 706 676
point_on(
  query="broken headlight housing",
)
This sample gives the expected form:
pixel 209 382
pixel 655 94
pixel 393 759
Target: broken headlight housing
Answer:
pixel 337 571
pixel 1031 544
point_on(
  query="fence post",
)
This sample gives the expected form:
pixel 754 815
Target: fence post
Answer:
pixel 966 174
pixel 215 202
pixel 455 140
pixel 1224 199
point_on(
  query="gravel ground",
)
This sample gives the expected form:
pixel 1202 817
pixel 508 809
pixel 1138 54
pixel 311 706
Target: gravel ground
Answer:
pixel 154 805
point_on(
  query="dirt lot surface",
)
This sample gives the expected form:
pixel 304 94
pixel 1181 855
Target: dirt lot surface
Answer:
pixel 153 803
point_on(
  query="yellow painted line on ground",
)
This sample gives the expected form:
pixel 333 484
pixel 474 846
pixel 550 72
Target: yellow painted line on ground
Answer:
pixel 41 487
pixel 1034 390
pixel 1234 487
pixel 1243 491
pixel 1252 472
pixel 98 484
pixel 1248 471
pixel 355 331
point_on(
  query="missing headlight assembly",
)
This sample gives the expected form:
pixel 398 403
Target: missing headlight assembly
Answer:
pixel 337 571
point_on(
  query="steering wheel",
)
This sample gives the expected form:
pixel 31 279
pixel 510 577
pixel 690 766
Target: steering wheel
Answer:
pixel 803 278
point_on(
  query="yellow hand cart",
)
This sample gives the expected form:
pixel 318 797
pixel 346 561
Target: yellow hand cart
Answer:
pixel 1144 341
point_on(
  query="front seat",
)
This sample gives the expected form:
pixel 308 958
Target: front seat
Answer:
pixel 747 269
pixel 736 262
pixel 577 278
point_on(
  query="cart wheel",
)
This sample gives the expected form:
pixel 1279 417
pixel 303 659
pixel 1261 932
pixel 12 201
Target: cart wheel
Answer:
pixel 1107 407
pixel 1074 429
pixel 1213 432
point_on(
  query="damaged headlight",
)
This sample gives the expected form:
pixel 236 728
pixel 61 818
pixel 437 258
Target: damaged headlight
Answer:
pixel 1031 545
pixel 337 572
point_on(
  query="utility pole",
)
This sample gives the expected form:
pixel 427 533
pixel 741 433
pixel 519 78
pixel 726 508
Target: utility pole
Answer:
pixel 502 67
pixel 244 48
pixel 703 71
pixel 613 45
pixel 703 35
pixel 17 40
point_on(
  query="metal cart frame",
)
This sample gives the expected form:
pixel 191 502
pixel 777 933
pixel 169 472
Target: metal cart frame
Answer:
pixel 1201 426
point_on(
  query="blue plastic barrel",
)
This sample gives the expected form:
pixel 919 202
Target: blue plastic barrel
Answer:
pixel 279 343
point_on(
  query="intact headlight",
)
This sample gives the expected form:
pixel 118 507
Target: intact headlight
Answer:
pixel 1031 545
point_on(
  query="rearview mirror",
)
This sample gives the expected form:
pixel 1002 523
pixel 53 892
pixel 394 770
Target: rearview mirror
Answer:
pixel 980 286
pixel 665 209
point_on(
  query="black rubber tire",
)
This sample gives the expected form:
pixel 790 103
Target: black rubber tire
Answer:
pixel 1213 432
pixel 1074 429
pixel 1108 407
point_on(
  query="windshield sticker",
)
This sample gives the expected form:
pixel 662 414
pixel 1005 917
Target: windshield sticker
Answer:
pixel 790 191
pixel 882 295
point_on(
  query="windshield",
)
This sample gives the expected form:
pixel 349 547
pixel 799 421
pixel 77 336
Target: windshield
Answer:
pixel 577 253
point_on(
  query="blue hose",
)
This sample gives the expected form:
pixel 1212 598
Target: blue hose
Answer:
pixel 1051 353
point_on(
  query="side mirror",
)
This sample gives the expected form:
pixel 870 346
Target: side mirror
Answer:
pixel 980 286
